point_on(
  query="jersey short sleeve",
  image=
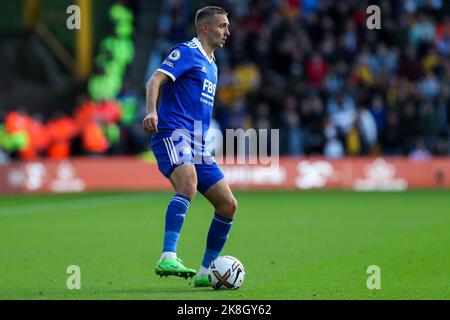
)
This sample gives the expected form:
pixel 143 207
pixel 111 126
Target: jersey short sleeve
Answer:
pixel 177 62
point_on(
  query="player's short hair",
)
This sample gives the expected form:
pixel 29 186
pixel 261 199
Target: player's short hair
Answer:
pixel 207 13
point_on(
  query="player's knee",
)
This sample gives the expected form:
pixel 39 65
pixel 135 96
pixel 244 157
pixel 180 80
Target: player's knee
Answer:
pixel 188 188
pixel 233 206
pixel 229 208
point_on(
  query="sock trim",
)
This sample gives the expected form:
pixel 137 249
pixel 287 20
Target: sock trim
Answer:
pixel 181 200
pixel 183 196
pixel 222 219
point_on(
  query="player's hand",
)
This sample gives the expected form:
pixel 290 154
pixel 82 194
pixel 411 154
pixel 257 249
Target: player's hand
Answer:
pixel 150 122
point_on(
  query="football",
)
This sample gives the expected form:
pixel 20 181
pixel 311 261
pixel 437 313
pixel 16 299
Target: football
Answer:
pixel 226 272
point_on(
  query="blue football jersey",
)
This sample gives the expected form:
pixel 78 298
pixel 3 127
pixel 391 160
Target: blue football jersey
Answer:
pixel 190 95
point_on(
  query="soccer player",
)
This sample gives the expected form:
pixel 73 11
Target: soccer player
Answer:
pixel 188 78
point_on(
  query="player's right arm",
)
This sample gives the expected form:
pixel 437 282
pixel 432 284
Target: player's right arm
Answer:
pixel 150 122
pixel 177 62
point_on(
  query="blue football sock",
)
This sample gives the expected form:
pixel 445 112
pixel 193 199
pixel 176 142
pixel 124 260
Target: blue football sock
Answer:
pixel 217 236
pixel 175 214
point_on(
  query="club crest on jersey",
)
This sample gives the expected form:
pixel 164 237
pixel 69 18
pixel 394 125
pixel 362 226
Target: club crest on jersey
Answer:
pixel 175 55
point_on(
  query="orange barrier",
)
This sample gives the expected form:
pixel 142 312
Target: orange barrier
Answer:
pixel 88 174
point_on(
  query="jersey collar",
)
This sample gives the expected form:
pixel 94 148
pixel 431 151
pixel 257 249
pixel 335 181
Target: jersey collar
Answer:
pixel 199 46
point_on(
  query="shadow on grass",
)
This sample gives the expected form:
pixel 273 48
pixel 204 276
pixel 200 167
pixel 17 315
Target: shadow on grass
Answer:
pixel 167 290
pixel 172 293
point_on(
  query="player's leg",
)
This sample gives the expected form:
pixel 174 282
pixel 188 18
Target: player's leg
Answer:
pixel 184 180
pixel 225 205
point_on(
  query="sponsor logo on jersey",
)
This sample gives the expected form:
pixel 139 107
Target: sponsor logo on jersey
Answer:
pixel 210 87
pixel 168 63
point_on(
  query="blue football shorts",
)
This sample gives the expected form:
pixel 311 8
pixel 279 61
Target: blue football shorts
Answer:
pixel 172 151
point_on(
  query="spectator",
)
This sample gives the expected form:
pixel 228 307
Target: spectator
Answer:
pixel 391 136
pixel 378 111
pixel 409 126
pixel 367 130
pixel 429 123
pixel 342 112
pixel 420 152
pixel 316 70
pixel 292 135
pixel 429 87
pixel 333 146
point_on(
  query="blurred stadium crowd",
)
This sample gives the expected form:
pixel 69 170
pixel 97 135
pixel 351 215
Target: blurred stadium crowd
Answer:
pixel 311 68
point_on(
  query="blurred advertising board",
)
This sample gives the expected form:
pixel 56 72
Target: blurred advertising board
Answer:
pixel 121 173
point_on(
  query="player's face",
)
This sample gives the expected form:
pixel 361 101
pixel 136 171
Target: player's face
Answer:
pixel 218 31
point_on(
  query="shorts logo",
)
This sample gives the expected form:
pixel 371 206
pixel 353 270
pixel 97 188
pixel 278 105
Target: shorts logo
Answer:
pixel 185 150
pixel 175 55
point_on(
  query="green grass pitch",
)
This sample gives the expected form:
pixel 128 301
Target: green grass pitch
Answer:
pixel 294 245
